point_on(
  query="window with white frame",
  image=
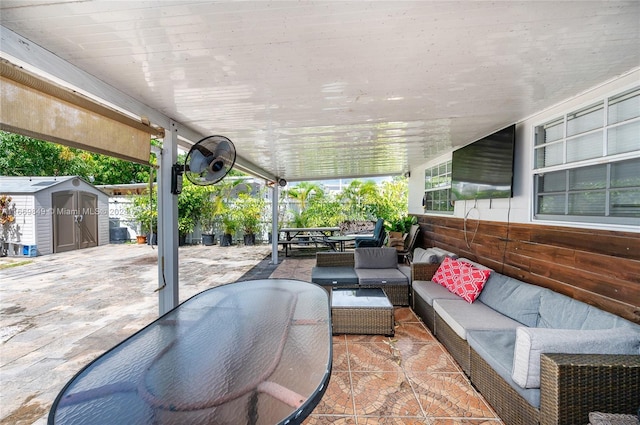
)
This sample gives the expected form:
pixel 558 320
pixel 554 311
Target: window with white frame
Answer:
pixel 437 189
pixel 587 163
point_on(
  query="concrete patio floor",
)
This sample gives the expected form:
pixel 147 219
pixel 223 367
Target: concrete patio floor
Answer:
pixel 61 311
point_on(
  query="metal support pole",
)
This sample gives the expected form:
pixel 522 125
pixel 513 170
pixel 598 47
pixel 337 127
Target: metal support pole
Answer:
pixel 167 224
pixel 274 223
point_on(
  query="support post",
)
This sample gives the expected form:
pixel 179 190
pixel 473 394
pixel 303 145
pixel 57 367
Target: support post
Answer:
pixel 167 224
pixel 274 223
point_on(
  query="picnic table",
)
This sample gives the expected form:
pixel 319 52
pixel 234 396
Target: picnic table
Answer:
pixel 305 235
pixel 255 352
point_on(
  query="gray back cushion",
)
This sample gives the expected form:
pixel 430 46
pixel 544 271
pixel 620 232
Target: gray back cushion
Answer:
pixel 428 256
pixel 562 312
pixel 376 258
pixel 513 298
pixel 441 253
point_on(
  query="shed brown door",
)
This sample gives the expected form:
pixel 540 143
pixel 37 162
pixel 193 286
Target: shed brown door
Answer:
pixel 75 220
pixel 87 220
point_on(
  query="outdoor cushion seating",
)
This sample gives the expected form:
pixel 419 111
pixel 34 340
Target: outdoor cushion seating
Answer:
pixel 405 253
pixel 372 267
pixel 377 240
pixel 536 355
pixel 334 270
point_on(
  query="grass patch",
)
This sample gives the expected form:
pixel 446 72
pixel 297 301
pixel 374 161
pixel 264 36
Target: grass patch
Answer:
pixel 15 264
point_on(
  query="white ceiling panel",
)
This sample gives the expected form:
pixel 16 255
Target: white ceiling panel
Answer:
pixel 313 90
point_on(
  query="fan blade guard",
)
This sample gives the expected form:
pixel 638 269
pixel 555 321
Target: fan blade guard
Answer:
pixel 210 160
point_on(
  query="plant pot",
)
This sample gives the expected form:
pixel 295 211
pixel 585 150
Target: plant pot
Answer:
pixel 141 239
pixel 208 240
pixel 250 239
pixel 182 240
pixel 226 240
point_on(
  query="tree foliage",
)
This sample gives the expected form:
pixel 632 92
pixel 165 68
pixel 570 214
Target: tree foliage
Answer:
pixel 25 156
pixel 359 201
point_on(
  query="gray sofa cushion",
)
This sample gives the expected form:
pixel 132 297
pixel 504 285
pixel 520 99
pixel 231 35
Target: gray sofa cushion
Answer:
pixel 561 312
pixel 376 258
pixel 496 347
pixel 462 316
pixel 335 276
pixel 380 276
pixel 513 298
pixel 406 270
pixel 531 342
pixel 443 253
pixel 428 256
pixel 429 291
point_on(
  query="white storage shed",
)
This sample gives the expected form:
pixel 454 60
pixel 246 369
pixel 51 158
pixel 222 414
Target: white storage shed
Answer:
pixel 55 214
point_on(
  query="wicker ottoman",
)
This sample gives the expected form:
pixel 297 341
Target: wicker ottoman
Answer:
pixel 361 311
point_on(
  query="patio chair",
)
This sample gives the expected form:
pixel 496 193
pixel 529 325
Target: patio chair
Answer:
pixel 405 254
pixel 377 240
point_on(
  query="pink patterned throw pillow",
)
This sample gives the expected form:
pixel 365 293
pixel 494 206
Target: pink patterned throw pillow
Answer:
pixel 447 272
pixel 469 282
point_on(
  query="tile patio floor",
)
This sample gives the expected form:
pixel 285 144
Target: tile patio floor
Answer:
pixel 407 379
pixel 96 297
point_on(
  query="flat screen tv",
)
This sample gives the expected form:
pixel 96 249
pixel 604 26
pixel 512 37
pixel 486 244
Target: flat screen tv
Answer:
pixel 484 168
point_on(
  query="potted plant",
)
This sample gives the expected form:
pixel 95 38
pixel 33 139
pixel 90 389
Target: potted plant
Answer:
pixel 208 222
pixel 185 227
pixel 401 224
pixel 250 211
pixel 229 227
pixel 398 229
pixel 191 203
pixel 143 211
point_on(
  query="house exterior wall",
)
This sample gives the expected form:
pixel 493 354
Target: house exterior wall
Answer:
pixel 519 209
pixel 595 263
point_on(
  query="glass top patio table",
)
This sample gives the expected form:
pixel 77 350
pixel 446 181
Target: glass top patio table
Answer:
pixel 252 352
pixel 341 240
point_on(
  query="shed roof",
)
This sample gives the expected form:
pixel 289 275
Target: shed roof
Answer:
pixel 31 184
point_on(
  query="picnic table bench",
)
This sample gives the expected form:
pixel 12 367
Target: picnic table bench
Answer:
pixel 303 236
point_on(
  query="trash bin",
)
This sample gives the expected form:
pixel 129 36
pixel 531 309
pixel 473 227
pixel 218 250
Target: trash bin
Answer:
pixel 118 235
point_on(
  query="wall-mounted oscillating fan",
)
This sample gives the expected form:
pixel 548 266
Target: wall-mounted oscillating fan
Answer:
pixel 207 162
pixel 210 160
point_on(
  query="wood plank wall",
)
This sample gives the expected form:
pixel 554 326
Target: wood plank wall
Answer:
pixel 598 267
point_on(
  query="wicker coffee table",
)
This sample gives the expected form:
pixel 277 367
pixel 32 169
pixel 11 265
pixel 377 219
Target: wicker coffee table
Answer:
pixel 361 311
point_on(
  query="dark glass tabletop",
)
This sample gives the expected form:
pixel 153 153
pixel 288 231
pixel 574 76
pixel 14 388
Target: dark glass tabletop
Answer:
pixel 253 352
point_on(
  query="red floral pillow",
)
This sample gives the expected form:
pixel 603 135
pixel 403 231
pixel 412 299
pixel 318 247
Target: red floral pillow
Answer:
pixel 469 282
pixel 447 272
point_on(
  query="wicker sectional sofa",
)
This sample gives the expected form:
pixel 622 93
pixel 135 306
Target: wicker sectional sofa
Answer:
pixel 364 268
pixel 537 356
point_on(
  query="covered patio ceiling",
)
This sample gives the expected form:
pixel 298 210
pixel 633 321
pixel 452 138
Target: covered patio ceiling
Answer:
pixel 316 90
